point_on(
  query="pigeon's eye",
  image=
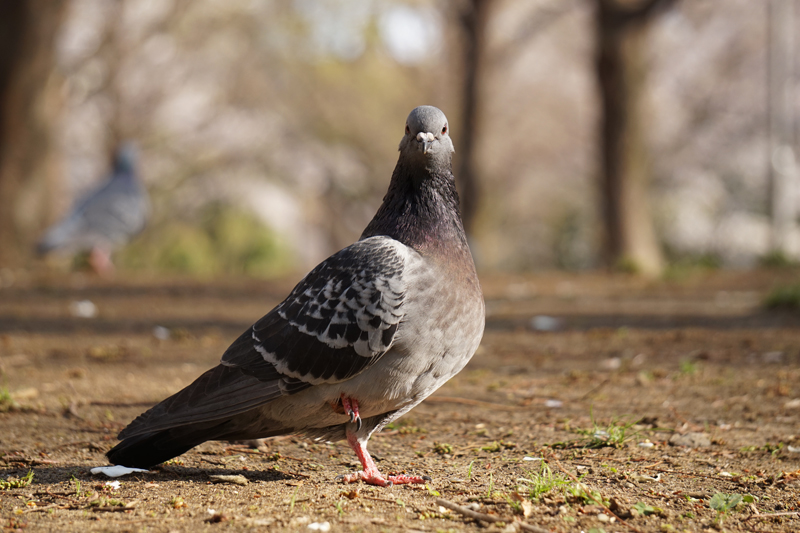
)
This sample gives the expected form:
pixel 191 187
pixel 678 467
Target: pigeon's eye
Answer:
pixel 408 130
pixel 444 130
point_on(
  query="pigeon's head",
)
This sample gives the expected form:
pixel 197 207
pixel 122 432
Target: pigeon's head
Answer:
pixel 125 159
pixel 427 135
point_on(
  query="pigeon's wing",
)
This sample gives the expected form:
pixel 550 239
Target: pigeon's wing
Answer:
pixel 106 216
pixel 340 319
pixel 116 212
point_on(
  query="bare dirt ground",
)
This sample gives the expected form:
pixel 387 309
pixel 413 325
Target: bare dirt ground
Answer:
pixel 595 403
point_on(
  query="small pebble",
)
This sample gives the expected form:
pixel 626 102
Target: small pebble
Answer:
pixel 792 404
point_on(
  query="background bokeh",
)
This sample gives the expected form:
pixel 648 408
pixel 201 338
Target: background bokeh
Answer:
pixel 268 130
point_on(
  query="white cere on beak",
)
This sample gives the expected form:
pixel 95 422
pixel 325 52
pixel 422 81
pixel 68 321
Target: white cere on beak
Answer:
pixel 426 138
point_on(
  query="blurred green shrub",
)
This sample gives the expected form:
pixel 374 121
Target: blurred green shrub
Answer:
pixel 784 297
pixel 225 240
pixel 777 259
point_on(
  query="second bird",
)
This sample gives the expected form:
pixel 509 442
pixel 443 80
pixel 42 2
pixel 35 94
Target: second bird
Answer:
pixel 106 218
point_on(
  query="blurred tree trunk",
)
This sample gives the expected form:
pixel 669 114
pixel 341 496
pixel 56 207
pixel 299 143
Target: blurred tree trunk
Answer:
pixel 473 20
pixel 29 107
pixel 782 160
pixel 622 29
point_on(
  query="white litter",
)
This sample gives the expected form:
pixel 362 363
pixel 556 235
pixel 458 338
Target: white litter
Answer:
pixel 646 444
pixel 83 309
pixel 545 323
pixel 161 333
pixel 640 478
pixel 319 526
pixel 531 458
pixel 116 471
pixel 113 484
pixel 555 404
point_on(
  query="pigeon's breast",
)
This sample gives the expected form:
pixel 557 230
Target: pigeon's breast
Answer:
pixel 442 325
pixel 441 330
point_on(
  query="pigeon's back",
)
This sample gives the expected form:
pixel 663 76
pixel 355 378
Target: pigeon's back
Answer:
pixel 106 218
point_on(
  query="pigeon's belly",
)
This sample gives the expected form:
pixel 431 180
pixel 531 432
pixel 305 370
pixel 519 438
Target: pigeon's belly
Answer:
pixel 439 334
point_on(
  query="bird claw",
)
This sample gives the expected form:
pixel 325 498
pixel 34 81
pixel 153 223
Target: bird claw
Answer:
pixel 350 406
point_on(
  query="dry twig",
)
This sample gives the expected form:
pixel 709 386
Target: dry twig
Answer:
pixel 770 515
pixel 486 517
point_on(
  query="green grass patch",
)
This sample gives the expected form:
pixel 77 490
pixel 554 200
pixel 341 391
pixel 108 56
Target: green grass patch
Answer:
pixel 614 434
pixel 537 484
pixel 15 483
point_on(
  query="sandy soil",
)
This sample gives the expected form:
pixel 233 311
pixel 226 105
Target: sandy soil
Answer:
pixel 595 403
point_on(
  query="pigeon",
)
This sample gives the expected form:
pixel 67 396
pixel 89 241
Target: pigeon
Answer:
pixel 106 218
pixel 366 336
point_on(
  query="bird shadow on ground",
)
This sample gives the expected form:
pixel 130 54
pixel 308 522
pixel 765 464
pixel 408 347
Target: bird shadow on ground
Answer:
pixel 171 472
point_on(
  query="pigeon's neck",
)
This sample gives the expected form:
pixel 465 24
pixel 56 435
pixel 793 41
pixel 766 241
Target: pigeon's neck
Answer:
pixel 123 170
pixel 420 210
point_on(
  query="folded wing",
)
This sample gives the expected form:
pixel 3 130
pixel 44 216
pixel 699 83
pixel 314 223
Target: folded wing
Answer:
pixel 340 319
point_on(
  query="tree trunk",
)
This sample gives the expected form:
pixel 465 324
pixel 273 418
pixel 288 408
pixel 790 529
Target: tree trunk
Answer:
pixel 630 238
pixel 782 160
pixel 473 21
pixel 29 109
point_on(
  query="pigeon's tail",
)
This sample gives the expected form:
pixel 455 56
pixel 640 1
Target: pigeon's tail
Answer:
pixel 62 236
pixel 150 449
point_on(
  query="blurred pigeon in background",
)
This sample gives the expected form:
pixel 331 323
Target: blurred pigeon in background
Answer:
pixel 367 335
pixel 106 218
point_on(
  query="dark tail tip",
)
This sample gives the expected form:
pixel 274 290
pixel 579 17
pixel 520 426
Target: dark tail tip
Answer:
pixel 148 450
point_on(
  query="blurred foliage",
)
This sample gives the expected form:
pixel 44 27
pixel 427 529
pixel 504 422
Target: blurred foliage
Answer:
pixel 777 259
pixel 784 297
pixel 687 266
pixel 225 241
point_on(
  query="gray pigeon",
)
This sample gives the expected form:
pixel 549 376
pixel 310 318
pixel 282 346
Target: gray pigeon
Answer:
pixel 367 335
pixel 106 218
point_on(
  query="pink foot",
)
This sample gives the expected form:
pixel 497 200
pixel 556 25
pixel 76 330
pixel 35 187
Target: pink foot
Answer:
pixel 370 474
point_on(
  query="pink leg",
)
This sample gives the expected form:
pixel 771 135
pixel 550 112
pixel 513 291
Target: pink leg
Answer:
pixel 350 406
pixel 370 473
pixel 100 260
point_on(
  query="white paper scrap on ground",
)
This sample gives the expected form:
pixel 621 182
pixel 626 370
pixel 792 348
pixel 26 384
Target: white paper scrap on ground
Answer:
pixel 116 471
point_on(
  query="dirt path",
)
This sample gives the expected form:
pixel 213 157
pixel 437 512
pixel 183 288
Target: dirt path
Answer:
pixel 632 407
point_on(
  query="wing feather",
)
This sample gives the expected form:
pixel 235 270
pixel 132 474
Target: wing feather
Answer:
pixel 340 319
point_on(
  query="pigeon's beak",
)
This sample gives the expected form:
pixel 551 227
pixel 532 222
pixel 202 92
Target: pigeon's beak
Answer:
pixel 426 138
